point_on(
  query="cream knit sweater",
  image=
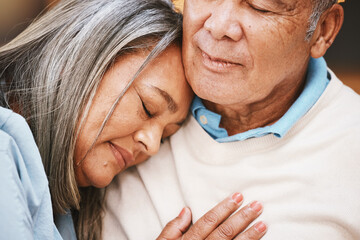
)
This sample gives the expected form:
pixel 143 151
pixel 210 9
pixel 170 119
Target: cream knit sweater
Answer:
pixel 308 181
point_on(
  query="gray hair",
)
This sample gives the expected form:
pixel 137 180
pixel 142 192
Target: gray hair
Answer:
pixel 52 70
pixel 319 6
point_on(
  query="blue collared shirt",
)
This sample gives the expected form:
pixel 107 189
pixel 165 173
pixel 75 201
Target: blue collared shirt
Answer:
pixel 316 82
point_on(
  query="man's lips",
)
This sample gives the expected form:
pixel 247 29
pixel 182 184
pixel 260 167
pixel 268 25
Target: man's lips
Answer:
pixel 217 64
pixel 123 157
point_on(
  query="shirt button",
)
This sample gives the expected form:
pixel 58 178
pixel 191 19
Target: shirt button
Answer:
pixel 203 119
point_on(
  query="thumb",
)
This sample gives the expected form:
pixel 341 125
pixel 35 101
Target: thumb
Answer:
pixel 176 227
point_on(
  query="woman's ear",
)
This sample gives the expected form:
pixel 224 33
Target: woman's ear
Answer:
pixel 327 29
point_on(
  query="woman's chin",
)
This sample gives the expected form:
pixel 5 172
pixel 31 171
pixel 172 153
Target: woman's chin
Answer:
pixel 102 183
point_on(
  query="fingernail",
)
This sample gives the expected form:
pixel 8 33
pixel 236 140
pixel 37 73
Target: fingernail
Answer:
pixel 237 197
pixel 256 206
pixel 260 227
pixel 182 212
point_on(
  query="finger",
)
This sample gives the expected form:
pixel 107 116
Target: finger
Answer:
pixel 237 222
pixel 175 228
pixel 209 222
pixel 254 233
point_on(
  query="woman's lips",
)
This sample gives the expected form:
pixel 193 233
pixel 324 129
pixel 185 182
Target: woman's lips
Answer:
pixel 217 64
pixel 122 156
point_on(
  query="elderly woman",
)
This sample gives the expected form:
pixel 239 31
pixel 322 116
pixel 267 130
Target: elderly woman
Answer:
pixel 100 84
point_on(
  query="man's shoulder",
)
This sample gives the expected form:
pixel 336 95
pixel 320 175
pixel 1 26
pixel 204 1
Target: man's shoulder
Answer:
pixel 339 99
pixel 161 161
pixel 345 93
pixel 333 121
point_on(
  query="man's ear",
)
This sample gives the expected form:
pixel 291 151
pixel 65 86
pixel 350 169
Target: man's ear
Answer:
pixel 327 29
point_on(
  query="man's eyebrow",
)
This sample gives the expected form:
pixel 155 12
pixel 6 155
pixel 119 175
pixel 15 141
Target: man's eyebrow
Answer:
pixel 172 106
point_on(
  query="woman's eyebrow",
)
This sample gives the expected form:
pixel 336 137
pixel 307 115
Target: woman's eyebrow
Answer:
pixel 172 106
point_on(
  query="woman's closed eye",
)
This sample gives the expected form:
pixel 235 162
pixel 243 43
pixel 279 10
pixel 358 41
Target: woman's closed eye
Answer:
pixel 146 110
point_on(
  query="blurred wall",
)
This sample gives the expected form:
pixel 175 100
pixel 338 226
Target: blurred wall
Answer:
pixel 15 15
pixel 343 57
pixel 344 54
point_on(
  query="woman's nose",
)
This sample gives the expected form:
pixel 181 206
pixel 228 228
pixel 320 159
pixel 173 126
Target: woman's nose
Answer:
pixel 150 138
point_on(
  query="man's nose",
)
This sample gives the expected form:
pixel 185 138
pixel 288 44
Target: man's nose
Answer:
pixel 222 22
pixel 150 138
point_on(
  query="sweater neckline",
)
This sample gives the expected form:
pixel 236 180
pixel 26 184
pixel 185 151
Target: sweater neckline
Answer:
pixel 198 139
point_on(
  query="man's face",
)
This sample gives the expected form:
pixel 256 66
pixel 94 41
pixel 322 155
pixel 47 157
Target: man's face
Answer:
pixel 242 51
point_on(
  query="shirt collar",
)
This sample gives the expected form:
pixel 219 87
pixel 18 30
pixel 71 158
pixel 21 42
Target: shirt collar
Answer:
pixel 315 85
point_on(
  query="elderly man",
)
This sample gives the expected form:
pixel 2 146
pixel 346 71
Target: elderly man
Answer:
pixel 270 120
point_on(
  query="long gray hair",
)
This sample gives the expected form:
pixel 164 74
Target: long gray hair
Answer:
pixel 51 71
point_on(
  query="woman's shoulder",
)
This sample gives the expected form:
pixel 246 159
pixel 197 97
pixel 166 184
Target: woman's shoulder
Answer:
pixel 19 152
pixel 17 146
pixel 17 142
pixel 25 203
pixel 12 125
pixel 10 122
pixel 15 131
pixel 8 118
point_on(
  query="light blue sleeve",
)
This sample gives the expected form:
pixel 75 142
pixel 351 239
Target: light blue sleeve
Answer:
pixel 65 225
pixel 15 220
pixel 25 202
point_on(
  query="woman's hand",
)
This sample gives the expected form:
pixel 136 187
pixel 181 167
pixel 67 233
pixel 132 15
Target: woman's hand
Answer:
pixel 217 223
